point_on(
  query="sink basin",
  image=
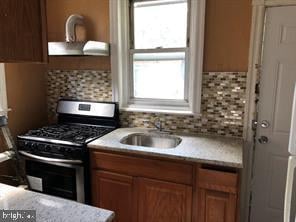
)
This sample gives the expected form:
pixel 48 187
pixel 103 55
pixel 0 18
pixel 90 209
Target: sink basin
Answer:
pixel 151 140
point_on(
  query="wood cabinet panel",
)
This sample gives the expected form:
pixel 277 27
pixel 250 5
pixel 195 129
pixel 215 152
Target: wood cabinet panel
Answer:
pixel 23 31
pixel 217 196
pixel 113 192
pixel 215 206
pixel 227 35
pixel 218 180
pixel 143 167
pixel 163 202
pixel 25 84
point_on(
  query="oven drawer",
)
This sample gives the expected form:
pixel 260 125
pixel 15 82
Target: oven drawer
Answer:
pixel 62 180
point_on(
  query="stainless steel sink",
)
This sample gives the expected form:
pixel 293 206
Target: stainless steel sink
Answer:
pixel 161 141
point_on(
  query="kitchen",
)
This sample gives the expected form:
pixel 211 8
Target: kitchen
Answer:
pixel 121 113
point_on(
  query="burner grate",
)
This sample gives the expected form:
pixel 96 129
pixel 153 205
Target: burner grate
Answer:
pixel 69 132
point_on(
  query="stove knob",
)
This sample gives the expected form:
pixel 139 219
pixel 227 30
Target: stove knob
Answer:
pixel 40 147
pixel 29 145
pixel 34 147
pixel 61 149
pixel 47 148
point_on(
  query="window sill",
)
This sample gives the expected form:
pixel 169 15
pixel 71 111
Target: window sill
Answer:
pixel 159 110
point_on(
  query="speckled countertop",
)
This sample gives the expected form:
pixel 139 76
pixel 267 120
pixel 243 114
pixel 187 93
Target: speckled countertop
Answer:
pixel 203 149
pixel 49 208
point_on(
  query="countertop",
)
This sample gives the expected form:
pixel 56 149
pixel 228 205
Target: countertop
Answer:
pixel 216 150
pixel 49 208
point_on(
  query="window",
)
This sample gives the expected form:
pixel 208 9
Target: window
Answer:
pixel 156 54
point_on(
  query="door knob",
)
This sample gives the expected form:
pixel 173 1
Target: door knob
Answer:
pixel 264 124
pixel 263 139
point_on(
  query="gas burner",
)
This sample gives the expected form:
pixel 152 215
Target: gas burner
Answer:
pixel 69 132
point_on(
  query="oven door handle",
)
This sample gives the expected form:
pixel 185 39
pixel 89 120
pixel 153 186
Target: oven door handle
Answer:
pixel 24 153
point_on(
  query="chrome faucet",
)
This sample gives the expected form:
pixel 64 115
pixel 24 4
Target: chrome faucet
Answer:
pixel 158 124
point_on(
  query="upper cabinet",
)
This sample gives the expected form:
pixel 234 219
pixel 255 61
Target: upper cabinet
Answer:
pixel 23 31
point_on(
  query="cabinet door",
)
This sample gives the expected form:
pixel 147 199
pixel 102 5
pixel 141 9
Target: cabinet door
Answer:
pixel 160 201
pixel 23 31
pixel 215 206
pixel 113 192
pixel 217 195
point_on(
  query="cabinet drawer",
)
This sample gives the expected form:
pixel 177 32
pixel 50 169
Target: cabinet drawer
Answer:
pixel 218 180
pixel 143 167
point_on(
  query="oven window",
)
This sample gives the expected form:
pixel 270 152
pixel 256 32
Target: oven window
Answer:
pixel 56 180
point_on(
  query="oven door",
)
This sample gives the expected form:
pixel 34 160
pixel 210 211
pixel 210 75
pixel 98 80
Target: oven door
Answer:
pixel 55 177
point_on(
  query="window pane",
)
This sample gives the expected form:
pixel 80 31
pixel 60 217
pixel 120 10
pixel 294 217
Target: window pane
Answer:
pixel 161 23
pixel 159 75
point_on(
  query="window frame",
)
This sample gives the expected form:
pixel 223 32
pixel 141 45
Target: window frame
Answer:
pixel 121 62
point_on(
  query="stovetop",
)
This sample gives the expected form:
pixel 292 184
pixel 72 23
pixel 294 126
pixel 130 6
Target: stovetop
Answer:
pixel 73 133
pixel 79 122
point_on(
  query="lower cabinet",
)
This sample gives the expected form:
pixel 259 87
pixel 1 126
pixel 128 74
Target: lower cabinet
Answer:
pixel 141 199
pixel 217 196
pixel 140 189
pixel 217 206
pixel 163 201
pixel 114 192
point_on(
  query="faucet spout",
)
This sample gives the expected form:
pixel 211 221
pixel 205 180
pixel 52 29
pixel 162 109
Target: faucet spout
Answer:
pixel 71 23
pixel 158 124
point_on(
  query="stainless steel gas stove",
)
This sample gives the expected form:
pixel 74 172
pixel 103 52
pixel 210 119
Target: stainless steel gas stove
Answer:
pixel 56 156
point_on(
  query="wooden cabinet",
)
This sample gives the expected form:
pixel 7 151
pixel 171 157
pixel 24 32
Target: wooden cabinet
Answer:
pixel 217 196
pixel 23 31
pixel 114 192
pixel 163 201
pixel 144 189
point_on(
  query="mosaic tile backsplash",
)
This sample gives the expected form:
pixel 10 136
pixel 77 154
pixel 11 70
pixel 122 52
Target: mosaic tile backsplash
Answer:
pixel 77 84
pixel 222 108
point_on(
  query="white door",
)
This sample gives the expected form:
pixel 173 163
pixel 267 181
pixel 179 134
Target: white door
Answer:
pixel 276 94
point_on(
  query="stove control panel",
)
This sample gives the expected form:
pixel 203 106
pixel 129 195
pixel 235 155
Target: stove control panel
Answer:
pixel 52 150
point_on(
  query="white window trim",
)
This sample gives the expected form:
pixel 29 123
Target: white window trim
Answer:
pixel 119 20
pixel 3 96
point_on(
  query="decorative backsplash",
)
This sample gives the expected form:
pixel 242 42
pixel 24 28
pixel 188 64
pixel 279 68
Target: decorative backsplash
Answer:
pixel 77 84
pixel 222 108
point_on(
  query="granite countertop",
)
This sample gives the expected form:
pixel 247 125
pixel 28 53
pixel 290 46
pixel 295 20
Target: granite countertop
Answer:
pixel 49 208
pixel 216 150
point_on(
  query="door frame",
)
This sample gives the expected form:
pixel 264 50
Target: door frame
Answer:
pixel 259 8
